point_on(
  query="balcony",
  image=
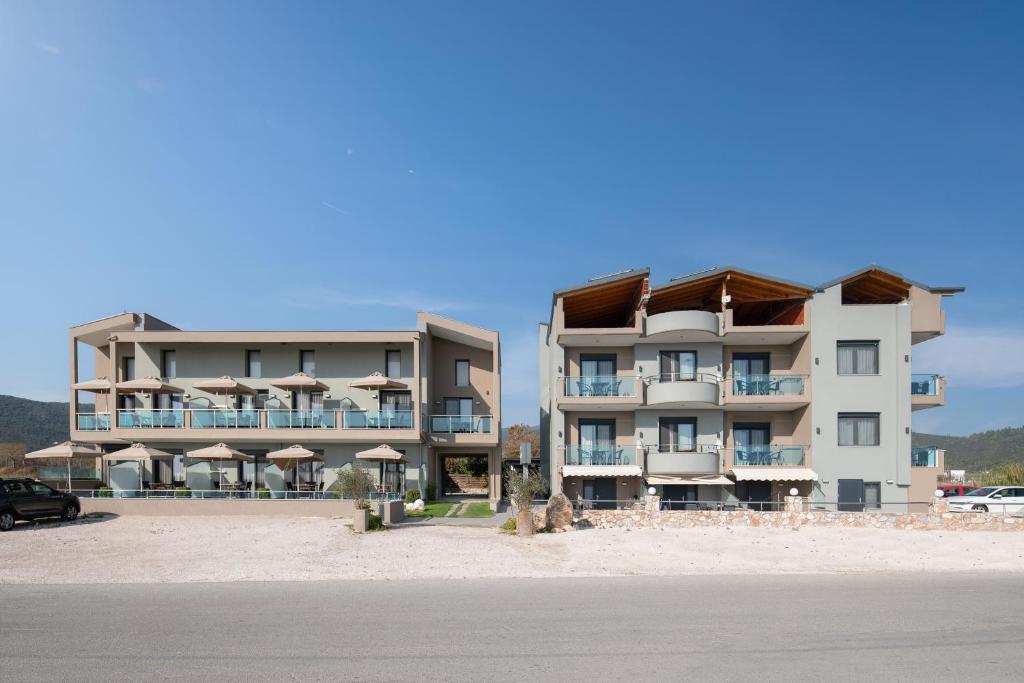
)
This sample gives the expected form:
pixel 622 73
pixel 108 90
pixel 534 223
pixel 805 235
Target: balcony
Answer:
pixel 377 419
pixel 667 459
pixel 927 456
pixel 92 422
pixel 301 419
pixel 600 392
pixel 460 424
pixel 217 418
pixel 785 327
pixel 145 418
pixel 604 455
pixel 927 391
pixel 768 456
pixel 699 390
pixel 683 326
pixel 779 392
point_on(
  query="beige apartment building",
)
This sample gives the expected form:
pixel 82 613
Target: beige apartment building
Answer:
pixel 728 387
pixel 429 394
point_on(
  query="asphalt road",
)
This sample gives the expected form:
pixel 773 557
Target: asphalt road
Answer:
pixel 928 628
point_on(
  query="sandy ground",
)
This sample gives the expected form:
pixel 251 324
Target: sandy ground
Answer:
pixel 199 549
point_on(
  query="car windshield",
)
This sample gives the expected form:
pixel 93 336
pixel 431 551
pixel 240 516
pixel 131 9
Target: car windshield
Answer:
pixel 984 491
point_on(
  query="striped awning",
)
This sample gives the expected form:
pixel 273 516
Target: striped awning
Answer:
pixel 602 471
pixel 774 474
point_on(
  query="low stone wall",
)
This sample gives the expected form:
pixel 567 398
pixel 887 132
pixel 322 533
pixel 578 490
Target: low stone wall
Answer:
pixel 218 507
pixel 795 514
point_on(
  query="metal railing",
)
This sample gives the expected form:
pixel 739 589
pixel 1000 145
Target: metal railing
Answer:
pixel 221 418
pixel 377 419
pixel 585 504
pixel 768 455
pixel 180 493
pixel 708 377
pixel 600 386
pixel 924 456
pixel 301 419
pixel 767 385
pixel 924 385
pixel 92 422
pixel 600 454
pixel 150 418
pixel 460 424
pixel 683 448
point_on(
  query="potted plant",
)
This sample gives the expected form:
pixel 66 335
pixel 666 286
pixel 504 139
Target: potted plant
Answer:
pixel 356 483
pixel 263 493
pixel 521 492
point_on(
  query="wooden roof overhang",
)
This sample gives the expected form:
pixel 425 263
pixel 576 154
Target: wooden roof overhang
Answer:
pixel 875 287
pixel 604 304
pixel 706 293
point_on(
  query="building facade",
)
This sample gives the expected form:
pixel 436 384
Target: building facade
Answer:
pixel 432 394
pixel 730 387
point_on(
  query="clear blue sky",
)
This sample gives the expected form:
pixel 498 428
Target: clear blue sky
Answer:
pixel 338 165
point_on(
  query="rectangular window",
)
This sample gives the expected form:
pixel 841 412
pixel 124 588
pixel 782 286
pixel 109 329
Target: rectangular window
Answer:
pixel 750 364
pixel 393 363
pixel 858 429
pixel 129 368
pixel 677 434
pixel 857 358
pixel 307 363
pixel 873 495
pixel 458 406
pixel 678 366
pixel 169 364
pixel 396 401
pixel 462 373
pixel 598 365
pixel 253 365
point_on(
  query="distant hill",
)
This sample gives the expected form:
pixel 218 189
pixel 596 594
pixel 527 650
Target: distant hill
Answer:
pixel 33 423
pixel 980 451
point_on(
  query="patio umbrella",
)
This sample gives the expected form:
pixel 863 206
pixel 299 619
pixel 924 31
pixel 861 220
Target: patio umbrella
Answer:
pixel 224 386
pixel 376 381
pixel 138 452
pixel 147 385
pixel 382 453
pixel 100 385
pixel 219 452
pixel 299 382
pixel 66 450
pixel 291 457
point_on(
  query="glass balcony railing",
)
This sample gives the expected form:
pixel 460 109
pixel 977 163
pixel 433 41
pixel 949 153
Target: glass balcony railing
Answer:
pixel 601 386
pixel 301 419
pixel 93 422
pixel 377 419
pixel 145 418
pixel 769 455
pixel 57 473
pixel 924 385
pixel 460 424
pixel 924 457
pixel 600 454
pixel 217 418
pixel 767 385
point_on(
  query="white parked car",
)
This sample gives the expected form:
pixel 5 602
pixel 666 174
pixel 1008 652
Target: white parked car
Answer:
pixel 1008 499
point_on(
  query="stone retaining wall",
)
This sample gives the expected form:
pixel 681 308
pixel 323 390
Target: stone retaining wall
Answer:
pixel 795 514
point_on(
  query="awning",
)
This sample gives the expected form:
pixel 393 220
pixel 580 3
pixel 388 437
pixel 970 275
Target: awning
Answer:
pixel 601 471
pixel 774 474
pixel 710 480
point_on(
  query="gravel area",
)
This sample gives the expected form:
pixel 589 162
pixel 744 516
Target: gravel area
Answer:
pixel 207 549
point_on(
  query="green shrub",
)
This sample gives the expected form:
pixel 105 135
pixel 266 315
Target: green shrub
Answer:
pixel 412 495
pixel 431 492
pixel 509 525
pixel 263 492
pixel 104 492
pixel 376 523
pixel 355 483
pixel 183 492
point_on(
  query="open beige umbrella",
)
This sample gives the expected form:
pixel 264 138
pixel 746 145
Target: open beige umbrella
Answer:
pixel 292 457
pixel 299 382
pixel 219 452
pixel 224 386
pixel 100 385
pixel 147 385
pixel 382 453
pixel 138 452
pixel 66 450
pixel 376 381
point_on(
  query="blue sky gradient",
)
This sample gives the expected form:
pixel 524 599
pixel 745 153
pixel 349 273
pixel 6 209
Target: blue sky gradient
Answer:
pixel 342 165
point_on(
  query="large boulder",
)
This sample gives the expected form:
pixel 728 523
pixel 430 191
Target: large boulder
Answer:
pixel 559 512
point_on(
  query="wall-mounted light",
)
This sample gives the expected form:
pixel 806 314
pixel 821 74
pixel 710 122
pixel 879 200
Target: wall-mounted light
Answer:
pixel 907 429
pixel 888 481
pixel 817 430
pixel 906 358
pixel 817 361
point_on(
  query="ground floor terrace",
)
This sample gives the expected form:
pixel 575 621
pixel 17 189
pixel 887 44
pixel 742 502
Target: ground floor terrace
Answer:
pixel 256 472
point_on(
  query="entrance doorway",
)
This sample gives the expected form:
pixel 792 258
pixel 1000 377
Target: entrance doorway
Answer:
pixel 465 474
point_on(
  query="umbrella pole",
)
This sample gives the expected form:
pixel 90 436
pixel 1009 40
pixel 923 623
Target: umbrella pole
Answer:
pixel 69 475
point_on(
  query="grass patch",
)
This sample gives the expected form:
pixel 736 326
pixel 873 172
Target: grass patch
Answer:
pixel 478 510
pixel 434 509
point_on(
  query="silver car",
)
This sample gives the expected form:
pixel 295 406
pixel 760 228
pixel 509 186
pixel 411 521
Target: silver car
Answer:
pixel 1008 499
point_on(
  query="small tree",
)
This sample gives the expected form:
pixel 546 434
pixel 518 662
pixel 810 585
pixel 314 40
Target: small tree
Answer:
pixel 355 483
pixel 521 491
pixel 519 434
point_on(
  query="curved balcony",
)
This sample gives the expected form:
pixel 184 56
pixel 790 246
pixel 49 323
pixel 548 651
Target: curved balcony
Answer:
pixel 683 326
pixel 666 460
pixel 672 392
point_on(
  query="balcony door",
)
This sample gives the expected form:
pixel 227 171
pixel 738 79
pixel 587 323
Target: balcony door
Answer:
pixel 678 366
pixel 460 414
pixel 677 434
pixel 750 374
pixel 751 441
pixel 597 442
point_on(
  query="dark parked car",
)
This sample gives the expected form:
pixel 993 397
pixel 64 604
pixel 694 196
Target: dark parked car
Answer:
pixel 27 499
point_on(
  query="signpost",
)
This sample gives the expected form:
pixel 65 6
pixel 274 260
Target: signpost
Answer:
pixel 524 459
